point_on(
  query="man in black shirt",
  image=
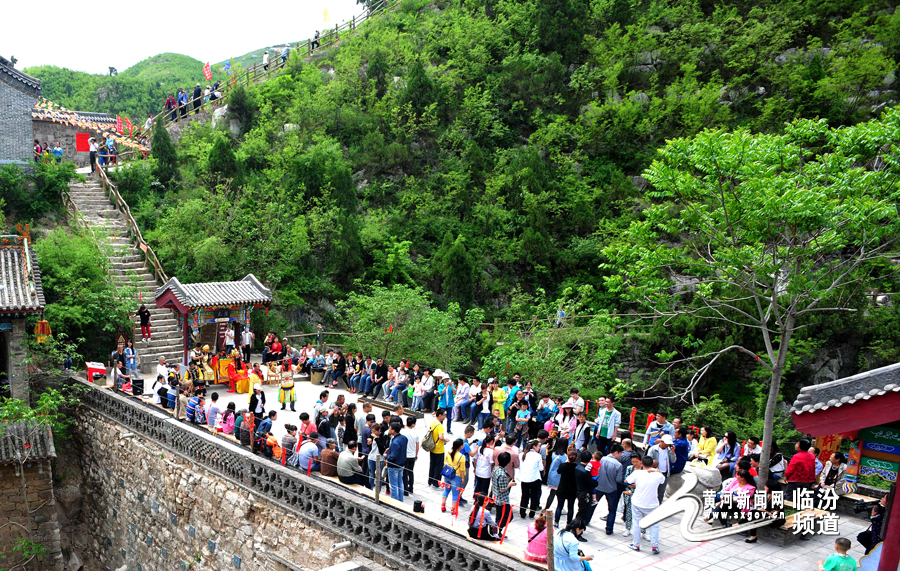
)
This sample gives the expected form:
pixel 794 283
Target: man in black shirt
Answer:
pixel 585 485
pixel 378 379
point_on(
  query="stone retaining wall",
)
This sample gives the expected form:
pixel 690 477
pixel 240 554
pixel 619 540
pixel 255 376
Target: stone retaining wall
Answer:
pixel 151 489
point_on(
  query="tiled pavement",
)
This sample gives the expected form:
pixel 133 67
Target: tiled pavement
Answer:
pixel 610 552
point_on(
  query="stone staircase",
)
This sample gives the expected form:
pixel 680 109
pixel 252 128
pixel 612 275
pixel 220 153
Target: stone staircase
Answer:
pixel 128 269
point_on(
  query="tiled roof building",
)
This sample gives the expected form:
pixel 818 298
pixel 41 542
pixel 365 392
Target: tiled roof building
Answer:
pixel 18 94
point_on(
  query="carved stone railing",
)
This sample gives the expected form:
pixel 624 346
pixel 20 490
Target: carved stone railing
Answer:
pixel 406 541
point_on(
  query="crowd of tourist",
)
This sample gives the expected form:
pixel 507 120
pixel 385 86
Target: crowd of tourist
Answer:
pixel 515 441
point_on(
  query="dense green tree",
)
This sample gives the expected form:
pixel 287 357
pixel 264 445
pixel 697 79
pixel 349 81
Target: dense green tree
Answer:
pixel 774 230
pixel 166 157
pixel 459 274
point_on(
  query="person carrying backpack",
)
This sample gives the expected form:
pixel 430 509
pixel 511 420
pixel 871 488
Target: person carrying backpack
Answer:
pixel 433 443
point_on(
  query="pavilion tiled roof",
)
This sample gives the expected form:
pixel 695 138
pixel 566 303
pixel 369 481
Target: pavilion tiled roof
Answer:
pixel 246 291
pixel 20 291
pixel 849 390
pixel 16 77
pixel 20 442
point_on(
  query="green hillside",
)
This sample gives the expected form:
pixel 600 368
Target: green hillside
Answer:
pixel 493 154
pixel 134 92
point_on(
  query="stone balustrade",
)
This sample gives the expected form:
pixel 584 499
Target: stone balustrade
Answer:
pixel 401 540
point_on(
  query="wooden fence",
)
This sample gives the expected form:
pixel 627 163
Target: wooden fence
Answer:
pixel 122 206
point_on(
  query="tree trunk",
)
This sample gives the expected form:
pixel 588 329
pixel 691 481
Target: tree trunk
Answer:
pixel 772 401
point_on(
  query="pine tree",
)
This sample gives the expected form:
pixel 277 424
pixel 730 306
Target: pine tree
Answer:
pixel 222 161
pixel 459 275
pixel 163 151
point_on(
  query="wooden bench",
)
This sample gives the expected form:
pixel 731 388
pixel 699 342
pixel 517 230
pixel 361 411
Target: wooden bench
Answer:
pixel 388 406
pixel 847 501
pixel 784 535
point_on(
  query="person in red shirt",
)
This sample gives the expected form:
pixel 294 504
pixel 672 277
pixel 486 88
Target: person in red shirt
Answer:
pixel 801 471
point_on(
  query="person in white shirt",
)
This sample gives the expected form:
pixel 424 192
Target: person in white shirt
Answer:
pixel 159 383
pixel 246 341
pixel 576 401
pixel 229 339
pixel 644 499
pixel 530 468
pixel 428 387
pixel 266 61
pixel 412 452
pixel 162 368
pixel 484 462
pixel 752 446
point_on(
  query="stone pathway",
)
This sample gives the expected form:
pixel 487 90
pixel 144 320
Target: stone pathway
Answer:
pixel 610 552
pixel 128 270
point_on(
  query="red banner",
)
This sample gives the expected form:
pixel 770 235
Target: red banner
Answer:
pixel 129 125
pixel 631 421
pixel 119 128
pixel 207 72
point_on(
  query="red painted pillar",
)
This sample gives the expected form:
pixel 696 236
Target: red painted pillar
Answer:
pixel 890 550
pixel 184 359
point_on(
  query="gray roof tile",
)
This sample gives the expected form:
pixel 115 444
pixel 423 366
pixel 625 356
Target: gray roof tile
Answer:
pixel 859 387
pixel 32 83
pixel 246 291
pixel 21 442
pixel 20 291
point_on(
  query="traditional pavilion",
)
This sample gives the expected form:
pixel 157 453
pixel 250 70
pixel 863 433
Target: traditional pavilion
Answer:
pixel 206 310
pixel 866 409
pixel 21 296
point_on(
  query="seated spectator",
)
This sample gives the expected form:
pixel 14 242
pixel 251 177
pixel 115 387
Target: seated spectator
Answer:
pixel 536 549
pixel 348 469
pixel 833 474
pixel 307 456
pixel 329 458
pixel 481 524
pixel 213 410
pixel 289 441
pixel 226 423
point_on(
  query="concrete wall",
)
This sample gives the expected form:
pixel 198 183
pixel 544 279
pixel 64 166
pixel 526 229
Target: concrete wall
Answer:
pixel 15 346
pixel 50 132
pixel 16 142
pixel 147 509
pixel 44 525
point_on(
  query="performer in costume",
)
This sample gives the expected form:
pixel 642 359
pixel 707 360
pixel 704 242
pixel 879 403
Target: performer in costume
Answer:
pixel 235 368
pixel 192 379
pixel 196 355
pixel 206 369
pixel 286 393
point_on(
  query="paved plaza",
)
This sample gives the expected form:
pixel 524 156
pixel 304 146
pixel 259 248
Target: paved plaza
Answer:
pixel 609 551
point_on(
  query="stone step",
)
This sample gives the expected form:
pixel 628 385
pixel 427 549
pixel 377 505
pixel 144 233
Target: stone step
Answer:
pixel 125 259
pixel 161 330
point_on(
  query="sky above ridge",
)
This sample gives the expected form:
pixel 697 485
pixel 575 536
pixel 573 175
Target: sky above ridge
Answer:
pixel 74 35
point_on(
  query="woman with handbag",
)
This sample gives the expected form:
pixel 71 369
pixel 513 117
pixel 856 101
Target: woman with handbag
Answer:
pixel 566 553
pixel 481 524
pixel 453 472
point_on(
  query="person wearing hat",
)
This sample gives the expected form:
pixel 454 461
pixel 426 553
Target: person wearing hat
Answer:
pixel 663 455
pixel 206 369
pixel 258 402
